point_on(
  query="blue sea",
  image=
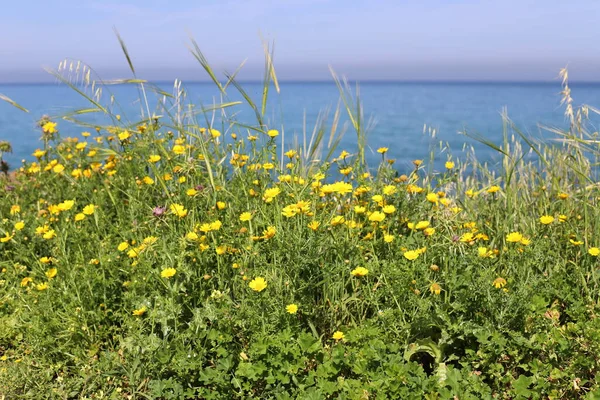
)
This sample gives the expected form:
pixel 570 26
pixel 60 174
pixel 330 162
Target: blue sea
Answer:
pixel 399 111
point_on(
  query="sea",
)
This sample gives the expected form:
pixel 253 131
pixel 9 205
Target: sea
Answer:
pixel 409 118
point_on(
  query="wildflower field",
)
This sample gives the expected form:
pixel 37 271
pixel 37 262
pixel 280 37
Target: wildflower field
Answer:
pixel 182 253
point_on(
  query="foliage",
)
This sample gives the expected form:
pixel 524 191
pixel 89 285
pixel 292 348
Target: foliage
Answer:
pixel 183 253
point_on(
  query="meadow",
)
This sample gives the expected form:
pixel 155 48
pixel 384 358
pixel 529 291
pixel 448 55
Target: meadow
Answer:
pixel 182 253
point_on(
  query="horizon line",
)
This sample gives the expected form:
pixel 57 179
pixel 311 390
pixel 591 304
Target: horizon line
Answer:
pixel 321 81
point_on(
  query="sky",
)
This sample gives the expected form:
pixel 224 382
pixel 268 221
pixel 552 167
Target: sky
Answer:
pixel 463 40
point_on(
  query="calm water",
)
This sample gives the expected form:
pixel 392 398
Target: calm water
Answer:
pixel 400 111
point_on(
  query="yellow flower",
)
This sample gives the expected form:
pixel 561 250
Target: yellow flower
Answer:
pixel 66 205
pixel 191 192
pixel 245 217
pixel 269 232
pixel 291 308
pixel 389 209
pixel 178 210
pixel 19 225
pixel 289 211
pixel 124 136
pixel 39 153
pixel 484 252
pixel 359 271
pixel 89 209
pixel 499 283
pixel 26 281
pixel 51 273
pixel 149 240
pixel 376 216
pixel 53 210
pixel 337 187
pixel 562 218
pixel 273 133
pixel 154 158
pixel 338 335
pixel 221 205
pixel 58 168
pixel 389 190
pixel 563 196
pixel 422 225
pixel 270 194
pixel 215 133
pixel 337 220
pixel 435 288
pixel 258 284
pixel 216 225
pixel 220 250
pixel 314 225
pixel 546 219
pixel 178 149
pixel 123 246
pixel 411 255
pixel 140 311
pixel 81 146
pixel 514 237
pixel 432 198
pixel 148 181
pixel 594 251
pixel 467 237
pixel 79 217
pixel 428 231
pixel 49 127
pixel 15 209
pixel 191 236
pixel 42 286
pixel 346 171
pixel 449 165
pixel 359 209
pixel 493 189
pixel 388 238
pixel 168 273
pixel 49 235
pixel 382 150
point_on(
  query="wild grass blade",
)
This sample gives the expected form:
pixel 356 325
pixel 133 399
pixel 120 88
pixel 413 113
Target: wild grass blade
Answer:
pixel 125 52
pixel 13 103
pixel 197 53
pixel 76 89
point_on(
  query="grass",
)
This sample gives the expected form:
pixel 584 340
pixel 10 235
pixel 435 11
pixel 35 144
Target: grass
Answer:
pixel 183 253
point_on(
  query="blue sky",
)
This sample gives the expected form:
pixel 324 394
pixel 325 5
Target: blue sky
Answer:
pixel 377 39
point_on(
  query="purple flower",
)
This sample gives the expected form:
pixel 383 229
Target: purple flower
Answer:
pixel 9 188
pixel 199 187
pixel 158 211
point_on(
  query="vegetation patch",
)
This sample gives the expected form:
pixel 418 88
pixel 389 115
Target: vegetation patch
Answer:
pixel 184 253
